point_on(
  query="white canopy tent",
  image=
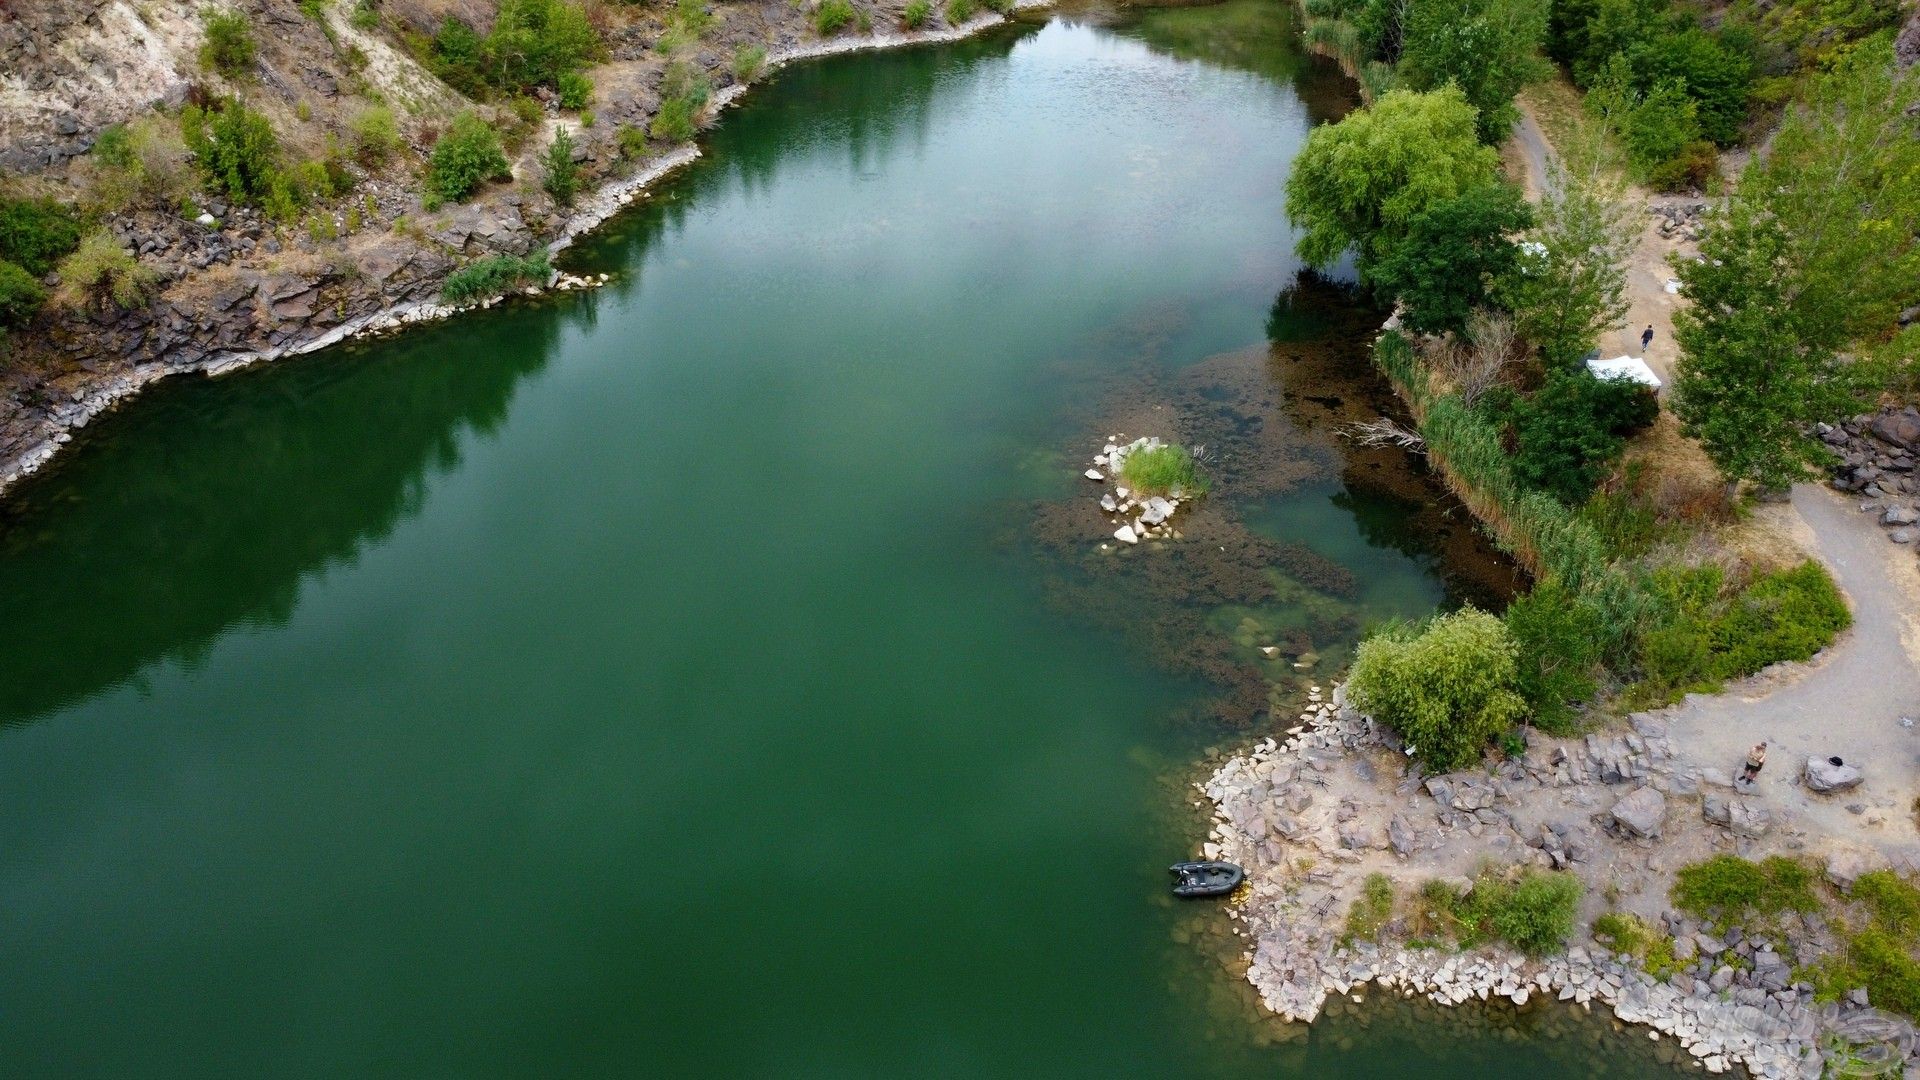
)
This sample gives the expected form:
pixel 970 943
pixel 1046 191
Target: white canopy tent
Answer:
pixel 1624 367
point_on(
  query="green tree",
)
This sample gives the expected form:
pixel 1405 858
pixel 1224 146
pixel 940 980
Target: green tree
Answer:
pixel 467 156
pixel 1571 431
pixel 1488 48
pixel 563 174
pixel 1570 281
pixel 1450 254
pixel 1359 183
pixel 1815 249
pixel 1447 689
pixel 1557 634
pixel 1716 78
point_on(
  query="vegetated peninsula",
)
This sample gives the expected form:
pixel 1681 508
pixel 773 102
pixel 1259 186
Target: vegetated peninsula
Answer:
pixel 1715 200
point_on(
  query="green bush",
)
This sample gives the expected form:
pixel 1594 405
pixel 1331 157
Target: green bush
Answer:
pixel 365 15
pixel 1557 636
pixel 575 89
pixel 562 179
pixel 831 16
pixel 36 233
pixel 114 147
pixel 630 143
pixel 101 272
pixel 493 275
pixel 1570 433
pixel 1163 470
pixel 1785 615
pixel 959 11
pixel 20 295
pixel 467 156
pixel 1729 890
pixel 1633 936
pixel 916 14
pixel 234 147
pixel 748 62
pixel 376 135
pixel 1447 688
pixel 229 48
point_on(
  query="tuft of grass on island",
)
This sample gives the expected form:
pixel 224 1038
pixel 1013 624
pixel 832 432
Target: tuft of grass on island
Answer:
pixel 1152 480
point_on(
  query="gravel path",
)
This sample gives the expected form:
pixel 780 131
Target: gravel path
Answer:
pixel 1846 702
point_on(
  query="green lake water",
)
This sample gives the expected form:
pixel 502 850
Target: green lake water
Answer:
pixel 717 674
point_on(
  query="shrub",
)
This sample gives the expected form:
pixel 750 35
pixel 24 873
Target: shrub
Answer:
pixel 683 93
pixel 917 14
pixel 1371 910
pixel 1633 936
pixel 1893 901
pixel 575 89
pixel 37 233
pixel 1163 470
pixel 365 16
pixel 532 43
pixel 1729 889
pixel 959 11
pixel 467 156
pixel 748 62
pixel 831 16
pixel 114 147
pixel 1532 912
pixel 493 275
pixel 101 272
pixel 229 48
pixel 20 295
pixel 1001 7
pixel 562 174
pixel 1570 433
pixel 145 160
pixel 1557 637
pixel 1785 615
pixel 630 143
pixel 234 147
pixel 1692 169
pixel 376 135
pixel 1446 688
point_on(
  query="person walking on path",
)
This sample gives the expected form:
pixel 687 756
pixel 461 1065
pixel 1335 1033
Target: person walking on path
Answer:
pixel 1646 339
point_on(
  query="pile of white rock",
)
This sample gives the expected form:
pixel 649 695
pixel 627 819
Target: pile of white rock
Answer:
pixel 1140 516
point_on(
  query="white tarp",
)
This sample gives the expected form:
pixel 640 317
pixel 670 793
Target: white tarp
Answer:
pixel 1624 367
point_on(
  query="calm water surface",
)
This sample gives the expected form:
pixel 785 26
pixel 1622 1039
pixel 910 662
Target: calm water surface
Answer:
pixel 658 682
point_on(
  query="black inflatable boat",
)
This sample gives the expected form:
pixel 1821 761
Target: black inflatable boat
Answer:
pixel 1205 878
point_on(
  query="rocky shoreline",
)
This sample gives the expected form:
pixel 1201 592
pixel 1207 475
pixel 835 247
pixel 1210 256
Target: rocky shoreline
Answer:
pixel 393 285
pixel 1311 816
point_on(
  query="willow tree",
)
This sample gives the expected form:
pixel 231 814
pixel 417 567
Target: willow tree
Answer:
pixel 1360 183
pixel 1815 250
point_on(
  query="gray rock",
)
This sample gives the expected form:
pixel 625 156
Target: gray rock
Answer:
pixel 1845 866
pixel 1400 835
pixel 1641 813
pixel 1830 774
pixel 1899 515
pixel 1900 428
pixel 1901 536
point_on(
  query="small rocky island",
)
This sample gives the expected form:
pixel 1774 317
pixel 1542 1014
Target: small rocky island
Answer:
pixel 1151 479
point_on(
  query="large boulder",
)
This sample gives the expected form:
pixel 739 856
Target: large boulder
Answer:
pixel 1899 428
pixel 1641 813
pixel 1829 774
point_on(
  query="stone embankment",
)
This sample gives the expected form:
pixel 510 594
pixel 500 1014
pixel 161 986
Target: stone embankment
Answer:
pixel 1877 453
pixel 1312 816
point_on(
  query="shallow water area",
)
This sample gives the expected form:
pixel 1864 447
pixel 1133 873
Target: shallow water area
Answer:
pixel 672 679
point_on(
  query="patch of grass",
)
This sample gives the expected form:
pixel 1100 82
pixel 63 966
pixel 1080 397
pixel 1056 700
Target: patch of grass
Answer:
pixel 832 16
pixel 20 295
pixel 1531 910
pixel 575 90
pixel 1163 470
pixel 1728 890
pixel 375 134
pixel 959 11
pixel 1892 901
pixel 916 14
pixel 630 143
pixel 748 62
pixel 493 275
pixel 1371 910
pixel 683 93
pixel 1633 936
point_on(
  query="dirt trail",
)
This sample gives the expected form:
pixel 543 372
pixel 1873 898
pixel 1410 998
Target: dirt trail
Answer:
pixel 1847 702
pixel 1647 275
